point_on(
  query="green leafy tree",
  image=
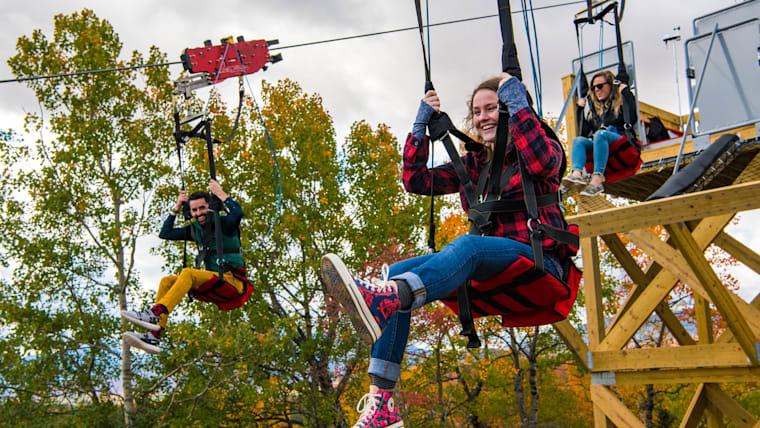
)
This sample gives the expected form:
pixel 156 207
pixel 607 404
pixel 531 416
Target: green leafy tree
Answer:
pixel 74 205
pixel 286 357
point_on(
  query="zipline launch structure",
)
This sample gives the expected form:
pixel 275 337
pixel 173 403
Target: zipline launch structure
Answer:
pixel 717 176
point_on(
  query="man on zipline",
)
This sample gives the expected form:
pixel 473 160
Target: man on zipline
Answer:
pixel 201 284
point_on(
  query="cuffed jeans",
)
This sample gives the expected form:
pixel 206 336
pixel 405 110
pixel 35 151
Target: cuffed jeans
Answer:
pixel 600 147
pixel 434 276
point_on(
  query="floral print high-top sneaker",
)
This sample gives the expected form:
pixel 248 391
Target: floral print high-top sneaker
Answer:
pixel 378 410
pixel 369 304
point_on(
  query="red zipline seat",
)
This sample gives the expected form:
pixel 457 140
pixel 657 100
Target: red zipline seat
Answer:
pixel 624 159
pixel 222 293
pixel 523 296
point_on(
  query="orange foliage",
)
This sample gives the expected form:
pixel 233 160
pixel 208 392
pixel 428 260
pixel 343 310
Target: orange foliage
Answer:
pixel 451 226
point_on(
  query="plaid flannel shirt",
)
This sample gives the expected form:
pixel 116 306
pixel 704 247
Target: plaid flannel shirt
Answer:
pixel 541 156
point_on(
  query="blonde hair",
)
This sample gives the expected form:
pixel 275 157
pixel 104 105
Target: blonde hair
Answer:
pixel 614 101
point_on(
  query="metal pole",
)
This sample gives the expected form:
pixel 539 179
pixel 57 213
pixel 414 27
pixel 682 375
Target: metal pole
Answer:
pixel 696 96
pixel 675 37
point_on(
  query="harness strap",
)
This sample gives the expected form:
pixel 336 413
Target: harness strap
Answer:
pixel 479 220
pixel 515 205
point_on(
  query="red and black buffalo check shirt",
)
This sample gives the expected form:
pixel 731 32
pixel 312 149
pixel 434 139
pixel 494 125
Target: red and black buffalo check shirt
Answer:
pixel 541 156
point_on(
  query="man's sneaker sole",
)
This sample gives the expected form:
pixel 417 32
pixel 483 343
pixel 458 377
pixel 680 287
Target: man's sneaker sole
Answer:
pixel 342 287
pixel 134 341
pixel 136 321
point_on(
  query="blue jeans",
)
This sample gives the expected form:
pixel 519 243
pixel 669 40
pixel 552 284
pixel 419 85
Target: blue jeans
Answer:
pixel 600 147
pixel 434 276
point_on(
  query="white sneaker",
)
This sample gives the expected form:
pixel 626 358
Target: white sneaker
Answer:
pixel 146 341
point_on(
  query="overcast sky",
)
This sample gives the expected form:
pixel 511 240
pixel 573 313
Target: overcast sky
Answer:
pixel 378 79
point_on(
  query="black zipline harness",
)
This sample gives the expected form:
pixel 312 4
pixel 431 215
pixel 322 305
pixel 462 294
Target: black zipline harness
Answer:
pixel 480 212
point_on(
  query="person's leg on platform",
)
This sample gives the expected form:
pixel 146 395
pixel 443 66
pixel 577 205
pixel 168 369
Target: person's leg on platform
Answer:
pixel 575 182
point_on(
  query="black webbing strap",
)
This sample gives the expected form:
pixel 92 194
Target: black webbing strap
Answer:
pixel 481 220
pixel 428 82
pixel 218 233
pixel 428 87
pixel 622 74
pixel 515 205
pixel 630 120
pixel 583 88
pixel 465 316
pixel 509 61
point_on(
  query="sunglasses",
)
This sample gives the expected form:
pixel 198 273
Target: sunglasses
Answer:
pixel 599 86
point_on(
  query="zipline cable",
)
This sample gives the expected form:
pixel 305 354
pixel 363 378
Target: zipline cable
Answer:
pixel 275 171
pixel 337 39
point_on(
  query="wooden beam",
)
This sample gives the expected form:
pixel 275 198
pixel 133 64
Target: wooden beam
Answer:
pixel 718 293
pixel 571 116
pixel 573 340
pixel 613 408
pixel 639 312
pixel 673 324
pixel 739 251
pixel 677 357
pixel 729 406
pixel 672 376
pixel 696 409
pixel 639 278
pixel 704 320
pixel 592 284
pixel 714 416
pixel 727 336
pixel 691 206
pixel 658 288
pixel 664 254
pixel 629 264
pixel 600 419
pixel 670 120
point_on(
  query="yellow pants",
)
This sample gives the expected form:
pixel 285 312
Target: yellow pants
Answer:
pixel 172 289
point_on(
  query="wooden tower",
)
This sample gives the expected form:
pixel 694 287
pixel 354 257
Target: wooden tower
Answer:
pixel 693 221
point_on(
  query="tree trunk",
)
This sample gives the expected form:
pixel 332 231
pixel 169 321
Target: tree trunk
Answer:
pixel 647 407
pixel 439 380
pixel 130 407
pixel 533 380
pixel 518 380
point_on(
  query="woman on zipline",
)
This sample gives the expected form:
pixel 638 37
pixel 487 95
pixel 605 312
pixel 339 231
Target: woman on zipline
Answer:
pixel 380 310
pixel 601 125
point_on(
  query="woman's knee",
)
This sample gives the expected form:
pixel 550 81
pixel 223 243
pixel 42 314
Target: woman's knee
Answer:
pixel 465 242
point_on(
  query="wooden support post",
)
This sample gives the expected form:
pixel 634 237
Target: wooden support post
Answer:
pixel 729 406
pixel 673 324
pixel 714 287
pixel 592 284
pixel 573 340
pixel 738 250
pixel 714 416
pixel 571 116
pixel 639 278
pixel 704 320
pixel 696 409
pixel 615 410
pixel 727 336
